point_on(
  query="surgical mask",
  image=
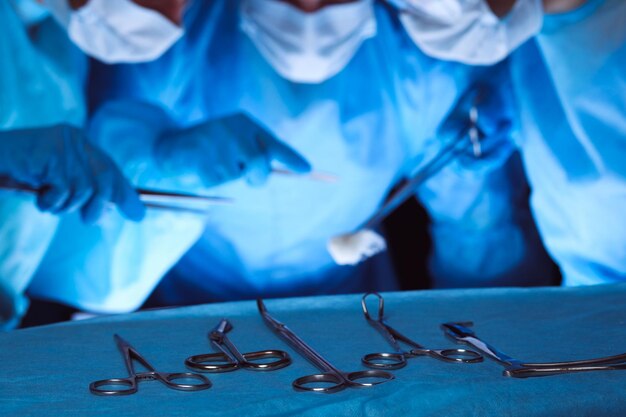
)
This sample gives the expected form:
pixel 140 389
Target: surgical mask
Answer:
pixel 116 31
pixel 307 47
pixel 468 31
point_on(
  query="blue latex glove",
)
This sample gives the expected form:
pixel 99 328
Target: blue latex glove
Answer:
pixel 68 171
pixel 226 149
pixel 494 109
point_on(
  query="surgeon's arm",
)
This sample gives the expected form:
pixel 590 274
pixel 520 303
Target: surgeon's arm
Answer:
pixel 226 149
pixel 114 267
pixel 482 230
pixel 155 151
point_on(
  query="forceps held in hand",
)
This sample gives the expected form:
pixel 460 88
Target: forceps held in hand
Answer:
pixel 460 333
pixel 156 199
pixel 126 386
pixel 337 379
pixel 399 358
pixel 231 359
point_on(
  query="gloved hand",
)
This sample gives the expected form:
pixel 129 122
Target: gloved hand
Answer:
pixel 68 171
pixel 226 149
pixel 492 107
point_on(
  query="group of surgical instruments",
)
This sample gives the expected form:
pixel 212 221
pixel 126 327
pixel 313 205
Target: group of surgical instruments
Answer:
pixel 331 379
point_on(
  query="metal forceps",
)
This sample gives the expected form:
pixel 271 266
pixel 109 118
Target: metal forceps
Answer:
pixel 518 369
pixel 155 199
pixel 128 385
pixel 229 358
pixel 398 359
pixel 336 379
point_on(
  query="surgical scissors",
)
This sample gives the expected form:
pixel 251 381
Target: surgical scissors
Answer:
pixel 337 379
pixel 229 358
pixel 399 358
pixel 460 333
pixel 128 385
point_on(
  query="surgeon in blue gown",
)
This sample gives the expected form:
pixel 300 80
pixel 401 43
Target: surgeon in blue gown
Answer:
pixel 42 145
pixel 571 86
pixel 569 81
pixel 42 113
pixel 229 104
pixel 46 99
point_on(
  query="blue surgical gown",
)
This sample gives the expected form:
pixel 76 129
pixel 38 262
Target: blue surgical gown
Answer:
pixel 571 86
pixel 370 125
pixel 41 83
